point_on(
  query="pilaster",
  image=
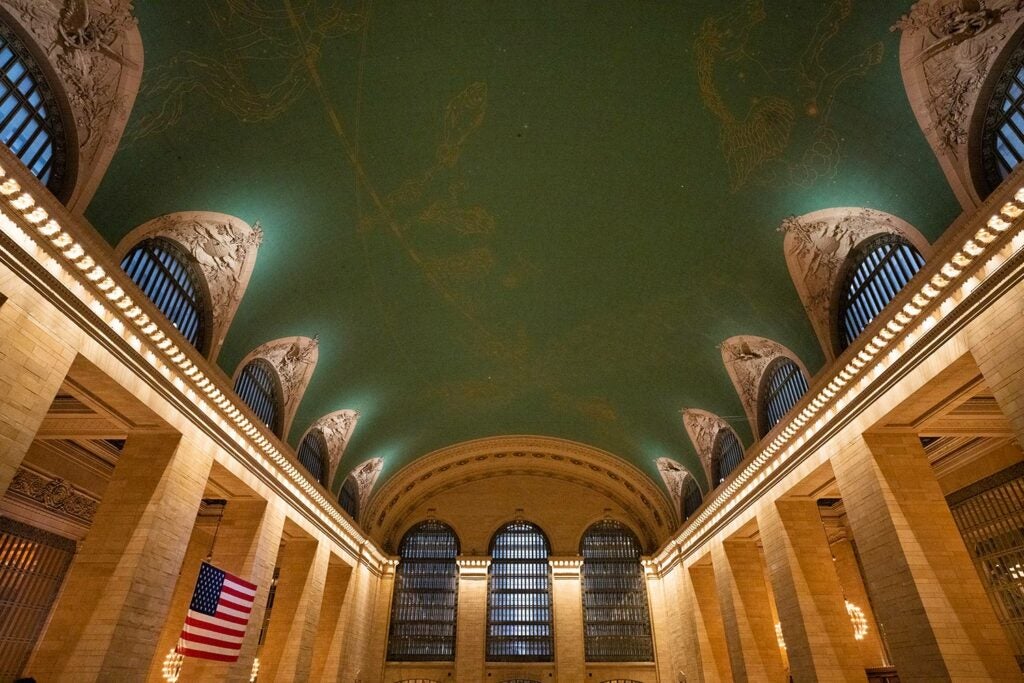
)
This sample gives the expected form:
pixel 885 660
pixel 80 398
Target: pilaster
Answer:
pixel 819 636
pixel 107 623
pixel 938 621
pixel 471 629
pixel 567 606
pixel 746 611
pixel 336 589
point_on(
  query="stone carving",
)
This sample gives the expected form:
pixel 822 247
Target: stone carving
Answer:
pixel 816 247
pixel 337 428
pixel 224 248
pixel 54 494
pixel 674 475
pixel 94 48
pixel 365 477
pixel 294 359
pixel 703 427
pixel 949 47
pixel 746 358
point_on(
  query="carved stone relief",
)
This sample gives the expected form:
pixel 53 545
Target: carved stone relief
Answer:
pixel 365 476
pixel 53 494
pixel 947 52
pixel 746 358
pixel 294 359
pixel 96 51
pixel 337 428
pixel 703 427
pixel 224 247
pixel 817 245
pixel 674 474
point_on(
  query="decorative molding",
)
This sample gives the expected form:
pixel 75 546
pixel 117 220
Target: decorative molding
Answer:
pixel 54 494
pixel 947 52
pixel 294 359
pixel 816 247
pixel 365 476
pixel 337 428
pixel 565 567
pixel 473 568
pixel 95 49
pixel 651 513
pixel 224 248
pixel 674 474
pixel 746 358
pixel 702 427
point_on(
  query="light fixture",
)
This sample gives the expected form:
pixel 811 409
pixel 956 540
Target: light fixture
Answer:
pixel 172 665
pixel 858 619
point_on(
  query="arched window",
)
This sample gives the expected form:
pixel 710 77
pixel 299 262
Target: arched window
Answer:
pixel 313 455
pixel 1002 132
pixel 348 498
pixel 519 596
pixel 875 273
pixel 258 386
pixel 169 278
pixel 30 120
pixel 781 387
pixel 616 620
pixel 692 498
pixel 426 591
pixel 726 454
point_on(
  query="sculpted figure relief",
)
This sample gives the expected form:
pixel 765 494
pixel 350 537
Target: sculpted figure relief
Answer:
pixel 703 427
pixel 746 358
pixel 337 428
pixel 674 475
pixel 365 477
pixel 95 49
pixel 224 248
pixel 294 359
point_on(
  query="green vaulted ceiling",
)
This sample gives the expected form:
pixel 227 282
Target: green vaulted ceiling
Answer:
pixel 520 217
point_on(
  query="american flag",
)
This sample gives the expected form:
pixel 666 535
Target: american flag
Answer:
pixel 217 616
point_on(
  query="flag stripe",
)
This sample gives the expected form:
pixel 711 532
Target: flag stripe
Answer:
pixel 198 635
pixel 236 602
pixel 234 592
pixel 231 615
pixel 215 625
pixel 240 584
pixel 203 654
pixel 199 621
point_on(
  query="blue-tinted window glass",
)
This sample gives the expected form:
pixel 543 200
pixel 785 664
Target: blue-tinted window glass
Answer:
pixel 313 455
pixel 519 596
pixel 784 386
pixel 257 386
pixel 349 498
pixel 692 498
pixel 726 454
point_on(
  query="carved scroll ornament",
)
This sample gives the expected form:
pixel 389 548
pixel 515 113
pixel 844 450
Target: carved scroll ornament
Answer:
pixel 224 248
pixel 365 476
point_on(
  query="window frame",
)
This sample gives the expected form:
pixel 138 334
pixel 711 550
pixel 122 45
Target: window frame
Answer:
pixel 686 499
pixel 322 452
pixel 492 641
pixel 764 424
pixel 277 394
pixel 196 278
pixel 590 588
pixel 851 265
pixel 718 451
pixel 59 112
pixel 985 167
pixel 452 573
pixel 351 488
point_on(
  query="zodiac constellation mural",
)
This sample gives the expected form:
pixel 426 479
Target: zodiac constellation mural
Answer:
pixel 257 68
pixel 771 132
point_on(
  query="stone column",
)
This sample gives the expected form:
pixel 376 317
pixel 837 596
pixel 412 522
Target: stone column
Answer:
pixel 107 622
pixel 808 595
pixel 471 628
pixel 351 646
pixel 288 647
pixel 747 612
pixel 33 363
pixel 667 621
pixel 247 544
pixel 335 591
pixel 938 621
pixel 709 660
pixel 373 669
pixel 198 548
pixel 567 606
pixel 872 651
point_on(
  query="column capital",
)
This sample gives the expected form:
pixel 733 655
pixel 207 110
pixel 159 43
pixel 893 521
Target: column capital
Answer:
pixel 473 567
pixel 566 567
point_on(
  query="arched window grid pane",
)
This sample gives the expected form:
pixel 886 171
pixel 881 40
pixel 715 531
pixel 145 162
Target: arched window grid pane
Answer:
pixel 348 498
pixel 519 596
pixel 692 498
pixel 784 388
pixel 167 277
pixel 726 455
pixel 313 455
pixel 1002 133
pixel 257 387
pixel 423 611
pixel 616 618
pixel 30 122
pixel 880 268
